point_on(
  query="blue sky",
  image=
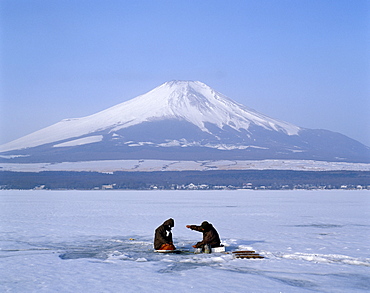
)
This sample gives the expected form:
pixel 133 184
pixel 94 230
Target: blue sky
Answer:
pixel 303 61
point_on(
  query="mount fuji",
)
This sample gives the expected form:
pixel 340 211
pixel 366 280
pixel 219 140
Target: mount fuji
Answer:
pixel 180 120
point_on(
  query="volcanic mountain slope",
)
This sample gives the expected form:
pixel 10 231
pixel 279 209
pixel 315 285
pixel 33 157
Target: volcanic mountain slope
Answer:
pixel 181 120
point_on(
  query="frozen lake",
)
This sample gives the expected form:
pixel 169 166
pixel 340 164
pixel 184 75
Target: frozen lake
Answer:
pixel 101 241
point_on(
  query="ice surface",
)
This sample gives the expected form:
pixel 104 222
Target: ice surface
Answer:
pixel 101 241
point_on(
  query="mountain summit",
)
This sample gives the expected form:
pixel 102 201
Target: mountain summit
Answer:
pixel 197 103
pixel 183 120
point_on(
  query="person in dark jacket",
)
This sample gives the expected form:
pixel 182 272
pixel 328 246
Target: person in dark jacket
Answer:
pixel 163 236
pixel 210 235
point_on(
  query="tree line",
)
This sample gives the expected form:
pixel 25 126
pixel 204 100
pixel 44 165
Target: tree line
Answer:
pixel 271 179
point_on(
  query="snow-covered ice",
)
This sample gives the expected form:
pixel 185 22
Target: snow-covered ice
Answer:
pixel 101 241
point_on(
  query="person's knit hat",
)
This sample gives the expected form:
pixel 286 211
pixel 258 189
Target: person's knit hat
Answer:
pixel 205 225
pixel 170 222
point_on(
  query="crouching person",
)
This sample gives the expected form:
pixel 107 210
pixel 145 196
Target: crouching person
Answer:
pixel 163 236
pixel 210 236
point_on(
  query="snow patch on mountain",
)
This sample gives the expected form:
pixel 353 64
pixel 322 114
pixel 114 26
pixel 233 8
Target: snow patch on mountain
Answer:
pixel 80 141
pixel 184 143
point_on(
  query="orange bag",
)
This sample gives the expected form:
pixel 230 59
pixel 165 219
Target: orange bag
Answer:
pixel 167 247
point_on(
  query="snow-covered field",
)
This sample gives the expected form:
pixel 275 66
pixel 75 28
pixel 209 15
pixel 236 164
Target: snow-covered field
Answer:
pixel 167 165
pixel 101 241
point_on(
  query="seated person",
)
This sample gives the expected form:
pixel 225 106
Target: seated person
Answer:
pixel 163 236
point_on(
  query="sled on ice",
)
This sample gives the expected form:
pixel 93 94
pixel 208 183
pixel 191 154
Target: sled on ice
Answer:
pixel 246 254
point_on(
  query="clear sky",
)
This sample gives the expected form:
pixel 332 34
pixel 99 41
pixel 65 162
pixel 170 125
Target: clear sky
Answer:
pixel 302 61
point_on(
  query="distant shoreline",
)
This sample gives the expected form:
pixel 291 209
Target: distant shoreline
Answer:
pixel 186 180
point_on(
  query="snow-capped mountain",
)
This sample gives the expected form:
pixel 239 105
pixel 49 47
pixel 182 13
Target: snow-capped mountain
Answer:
pixel 192 102
pixel 181 120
